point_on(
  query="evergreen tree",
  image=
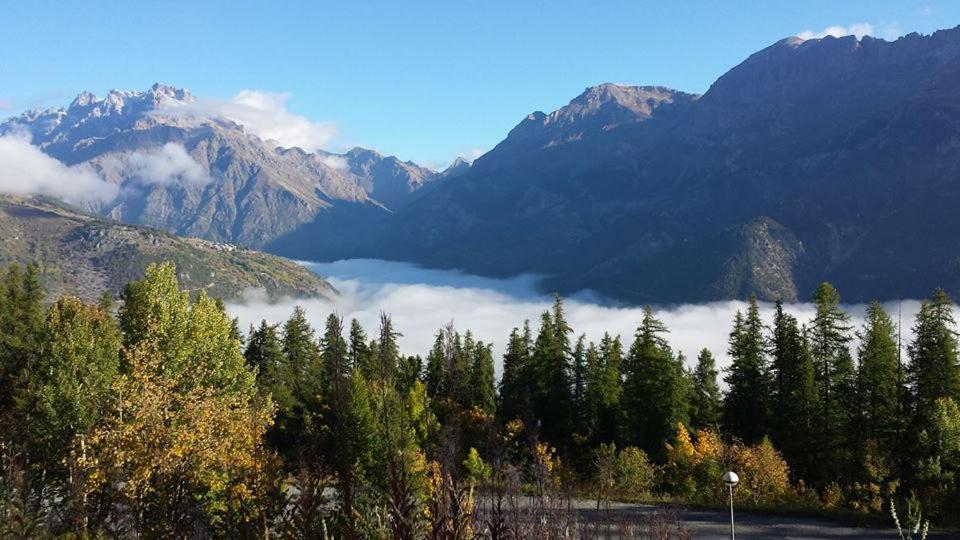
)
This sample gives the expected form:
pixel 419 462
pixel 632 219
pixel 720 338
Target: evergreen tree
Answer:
pixel 654 389
pixel 21 328
pixel 834 376
pixel 517 382
pixel 333 351
pixel 552 397
pixel 706 403
pixel 264 350
pixel 794 394
pixel 436 375
pixel 483 393
pixel 359 350
pixel 746 406
pixel 307 380
pixel 578 373
pixel 388 352
pixel 878 416
pixel 934 372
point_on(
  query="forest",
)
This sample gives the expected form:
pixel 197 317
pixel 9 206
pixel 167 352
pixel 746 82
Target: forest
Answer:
pixel 155 415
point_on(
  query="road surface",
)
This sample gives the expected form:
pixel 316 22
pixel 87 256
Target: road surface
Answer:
pixel 714 524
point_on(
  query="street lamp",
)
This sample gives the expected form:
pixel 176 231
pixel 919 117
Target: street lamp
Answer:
pixel 730 479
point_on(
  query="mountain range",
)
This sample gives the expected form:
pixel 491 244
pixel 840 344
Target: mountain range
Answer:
pixel 823 159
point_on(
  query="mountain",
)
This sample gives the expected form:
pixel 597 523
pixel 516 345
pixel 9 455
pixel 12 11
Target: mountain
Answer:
pixel 186 171
pixel 824 159
pixel 84 255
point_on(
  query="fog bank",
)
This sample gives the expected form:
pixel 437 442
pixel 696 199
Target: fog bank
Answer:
pixel 421 301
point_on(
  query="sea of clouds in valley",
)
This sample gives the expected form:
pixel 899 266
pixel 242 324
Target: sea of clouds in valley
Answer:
pixel 421 301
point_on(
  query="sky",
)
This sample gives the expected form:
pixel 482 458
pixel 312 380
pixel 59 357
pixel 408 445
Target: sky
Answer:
pixel 425 81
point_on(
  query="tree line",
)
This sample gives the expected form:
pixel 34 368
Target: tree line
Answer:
pixel 161 417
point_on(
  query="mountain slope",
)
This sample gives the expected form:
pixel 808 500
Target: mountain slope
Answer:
pixel 204 176
pixel 85 255
pixel 847 150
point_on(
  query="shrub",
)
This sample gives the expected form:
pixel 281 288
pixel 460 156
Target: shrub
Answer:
pixel 635 473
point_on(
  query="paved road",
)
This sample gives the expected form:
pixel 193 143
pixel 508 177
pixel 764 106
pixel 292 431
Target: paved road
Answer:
pixel 710 524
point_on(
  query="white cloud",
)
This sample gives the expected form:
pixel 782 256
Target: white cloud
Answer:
pixel 473 154
pixel 889 32
pixel 421 301
pixel 265 115
pixel 165 165
pixel 335 162
pixel 26 170
pixel 857 29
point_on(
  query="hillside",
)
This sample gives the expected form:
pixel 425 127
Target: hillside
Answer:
pixel 84 255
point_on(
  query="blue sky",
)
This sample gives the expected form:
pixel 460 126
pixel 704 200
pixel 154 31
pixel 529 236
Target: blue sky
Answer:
pixel 422 80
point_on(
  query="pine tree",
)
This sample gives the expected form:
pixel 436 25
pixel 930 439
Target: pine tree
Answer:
pixel 834 376
pixel 333 351
pixel 517 382
pixel 746 406
pixel 552 397
pixel 934 371
pixel 578 374
pixel 483 393
pixel 794 395
pixel 878 416
pixel 706 403
pixel 300 423
pixel 654 390
pixel 359 351
pixel 21 328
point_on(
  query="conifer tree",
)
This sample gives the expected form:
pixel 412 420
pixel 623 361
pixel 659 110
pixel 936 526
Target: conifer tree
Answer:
pixel 706 402
pixel 655 392
pixel 552 396
pixel 746 406
pixel 794 395
pixel 21 328
pixel 834 376
pixel 303 422
pixel 359 350
pixel 517 382
pixel 578 375
pixel 483 393
pixel 934 372
pixel 878 416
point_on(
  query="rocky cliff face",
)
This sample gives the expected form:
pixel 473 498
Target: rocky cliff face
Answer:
pixel 206 176
pixel 827 159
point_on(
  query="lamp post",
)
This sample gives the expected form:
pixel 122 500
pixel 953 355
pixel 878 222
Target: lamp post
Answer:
pixel 730 479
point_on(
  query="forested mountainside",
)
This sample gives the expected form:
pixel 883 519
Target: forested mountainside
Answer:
pixel 84 255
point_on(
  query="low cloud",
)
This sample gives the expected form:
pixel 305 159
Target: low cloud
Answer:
pixel 165 165
pixel 335 162
pixel 858 30
pixel 421 301
pixel 472 154
pixel 265 115
pixel 26 170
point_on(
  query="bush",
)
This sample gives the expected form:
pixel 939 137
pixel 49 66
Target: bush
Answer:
pixel 635 473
